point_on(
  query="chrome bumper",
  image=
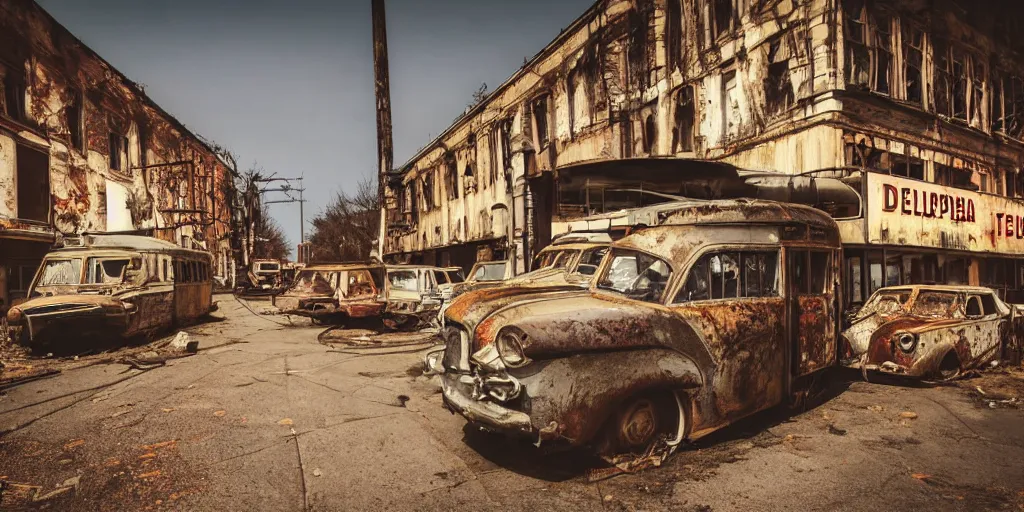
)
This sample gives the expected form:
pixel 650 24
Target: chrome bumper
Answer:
pixel 458 391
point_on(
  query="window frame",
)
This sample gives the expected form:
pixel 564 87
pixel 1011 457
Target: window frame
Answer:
pixel 741 251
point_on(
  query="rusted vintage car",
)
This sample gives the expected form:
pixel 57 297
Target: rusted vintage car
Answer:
pixel 334 292
pixel 414 292
pixel 724 309
pixel 113 286
pixel 930 331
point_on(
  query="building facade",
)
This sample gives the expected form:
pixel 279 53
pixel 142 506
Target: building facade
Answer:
pixel 83 149
pixel 917 104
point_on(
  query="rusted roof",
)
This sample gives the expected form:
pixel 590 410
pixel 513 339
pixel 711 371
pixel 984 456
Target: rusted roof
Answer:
pixel 731 211
pixel 937 287
pixel 337 267
pixel 127 242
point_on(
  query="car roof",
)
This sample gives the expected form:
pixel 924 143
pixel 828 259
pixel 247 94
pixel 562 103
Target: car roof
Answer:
pixel 938 287
pixel 335 267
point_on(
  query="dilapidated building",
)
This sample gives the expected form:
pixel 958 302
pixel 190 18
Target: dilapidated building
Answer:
pixel 83 149
pixel 918 104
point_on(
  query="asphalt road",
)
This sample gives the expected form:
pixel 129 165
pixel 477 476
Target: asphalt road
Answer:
pixel 267 418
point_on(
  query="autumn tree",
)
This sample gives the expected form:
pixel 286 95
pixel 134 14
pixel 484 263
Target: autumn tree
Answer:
pixel 347 228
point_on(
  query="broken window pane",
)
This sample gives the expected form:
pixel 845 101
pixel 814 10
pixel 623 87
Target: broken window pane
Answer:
pixel 61 272
pixel 960 86
pixel 821 263
pixel 106 271
pixel 723 17
pixel 540 117
pixel 883 52
pixel 731 103
pixel 913 54
pixel 682 135
pixel 943 81
pixel 858 57
pixel 696 283
pixel 977 92
pixel 778 89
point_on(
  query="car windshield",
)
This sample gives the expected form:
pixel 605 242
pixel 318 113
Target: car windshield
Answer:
pixel 590 260
pixel 636 275
pixel 403 280
pixel 887 303
pixel 933 303
pixel 269 267
pixel 455 276
pixel 313 281
pixel 106 271
pixel 554 259
pixel 61 272
pixel 489 272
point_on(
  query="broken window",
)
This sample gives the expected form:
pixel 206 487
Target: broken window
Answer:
pixel 414 210
pixel 908 167
pixel 539 107
pixel 960 85
pixel 674 32
pixel 1007 105
pixel 685 115
pixel 943 80
pixel 913 63
pixel 75 119
pixel 451 177
pixel 650 133
pixel 579 108
pixel 492 156
pixel 506 144
pixel 952 177
pixel 858 55
pixel 33 182
pixel 723 18
pixel 778 89
pixel 976 92
pixel 118 152
pixel 428 190
pixel 882 24
pixel 730 103
pixel 14 94
pixel 107 271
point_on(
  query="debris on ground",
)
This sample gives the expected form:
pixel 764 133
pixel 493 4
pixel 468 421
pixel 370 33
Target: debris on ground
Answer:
pixel 908 415
pixel 834 430
pixel 630 463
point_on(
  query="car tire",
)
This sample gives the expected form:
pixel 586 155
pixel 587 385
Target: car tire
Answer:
pixel 640 421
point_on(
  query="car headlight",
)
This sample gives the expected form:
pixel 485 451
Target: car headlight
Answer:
pixel 14 316
pixel 510 348
pixel 906 341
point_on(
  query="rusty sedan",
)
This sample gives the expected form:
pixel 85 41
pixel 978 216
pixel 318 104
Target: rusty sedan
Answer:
pixel 726 309
pixel 929 331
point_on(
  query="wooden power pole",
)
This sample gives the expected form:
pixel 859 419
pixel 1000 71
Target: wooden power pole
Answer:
pixel 385 151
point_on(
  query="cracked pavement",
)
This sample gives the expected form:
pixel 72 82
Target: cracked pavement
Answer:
pixel 267 418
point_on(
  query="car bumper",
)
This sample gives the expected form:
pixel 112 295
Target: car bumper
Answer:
pixel 80 321
pixel 458 394
pixel 887 367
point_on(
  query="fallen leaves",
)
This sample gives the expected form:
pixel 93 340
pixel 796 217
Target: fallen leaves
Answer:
pixel 220 413
pixel 74 444
pixel 285 421
pixel 151 447
pixel 920 476
pixel 151 474
pixel 908 415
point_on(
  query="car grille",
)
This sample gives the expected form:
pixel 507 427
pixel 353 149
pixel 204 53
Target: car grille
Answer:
pixel 456 348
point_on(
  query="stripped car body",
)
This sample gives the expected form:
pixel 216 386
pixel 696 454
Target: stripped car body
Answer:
pixel 690 325
pixel 930 330
pixel 414 291
pixel 113 285
pixel 335 291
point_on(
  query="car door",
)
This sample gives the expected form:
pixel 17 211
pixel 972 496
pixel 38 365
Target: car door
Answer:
pixel 811 294
pixel 732 299
pixel 984 325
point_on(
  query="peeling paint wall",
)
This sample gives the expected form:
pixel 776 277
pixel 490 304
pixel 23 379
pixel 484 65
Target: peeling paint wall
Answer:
pixel 117 162
pixel 765 84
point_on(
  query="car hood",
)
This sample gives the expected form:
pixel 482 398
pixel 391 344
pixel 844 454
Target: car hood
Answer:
pixel 40 304
pixel 471 307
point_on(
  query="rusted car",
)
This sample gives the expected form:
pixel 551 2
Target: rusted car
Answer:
pixel 414 292
pixel 930 331
pixel 724 309
pixel 113 286
pixel 334 292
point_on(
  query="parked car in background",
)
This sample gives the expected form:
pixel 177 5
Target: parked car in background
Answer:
pixel 335 292
pixel 725 309
pixel 116 286
pixel 930 331
pixel 414 292
pixel 265 274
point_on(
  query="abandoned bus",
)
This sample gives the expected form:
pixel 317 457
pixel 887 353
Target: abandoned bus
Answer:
pixel 723 309
pixel 113 285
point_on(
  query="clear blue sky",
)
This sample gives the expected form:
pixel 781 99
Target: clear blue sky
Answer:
pixel 288 86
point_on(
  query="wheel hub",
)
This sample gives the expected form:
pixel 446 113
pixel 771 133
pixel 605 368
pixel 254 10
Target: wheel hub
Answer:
pixel 639 423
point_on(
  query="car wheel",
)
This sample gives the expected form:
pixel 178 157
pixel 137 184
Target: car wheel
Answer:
pixel 949 368
pixel 640 421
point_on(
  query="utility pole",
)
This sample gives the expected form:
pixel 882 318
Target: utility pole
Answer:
pixel 382 89
pixel 287 189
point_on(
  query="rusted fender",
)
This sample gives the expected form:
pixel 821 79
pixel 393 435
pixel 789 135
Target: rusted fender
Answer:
pixel 935 334
pixel 561 324
pixel 571 397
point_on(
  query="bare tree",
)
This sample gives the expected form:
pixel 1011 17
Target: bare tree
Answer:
pixel 270 240
pixel 346 230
